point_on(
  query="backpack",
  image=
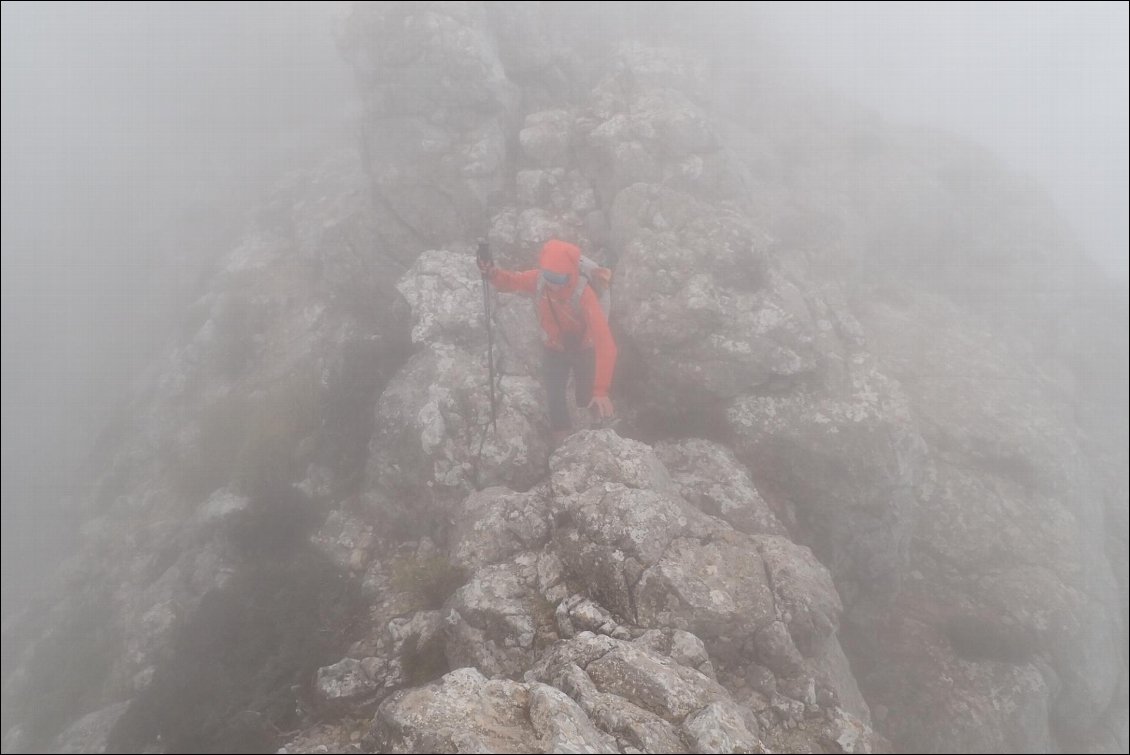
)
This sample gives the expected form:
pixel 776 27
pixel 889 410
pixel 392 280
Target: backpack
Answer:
pixel 591 274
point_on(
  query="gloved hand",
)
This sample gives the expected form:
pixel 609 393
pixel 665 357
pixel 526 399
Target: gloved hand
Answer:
pixel 484 259
pixel 603 406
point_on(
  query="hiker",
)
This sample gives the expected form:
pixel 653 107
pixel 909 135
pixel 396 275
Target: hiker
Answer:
pixel 574 330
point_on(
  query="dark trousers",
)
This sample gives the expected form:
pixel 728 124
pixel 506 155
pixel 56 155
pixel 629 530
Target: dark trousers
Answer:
pixel 557 366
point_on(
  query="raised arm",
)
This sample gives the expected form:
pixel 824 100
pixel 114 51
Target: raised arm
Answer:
pixel 505 280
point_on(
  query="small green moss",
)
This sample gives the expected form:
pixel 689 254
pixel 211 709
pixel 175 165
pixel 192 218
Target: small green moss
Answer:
pixel 430 580
pixel 252 442
pixel 277 423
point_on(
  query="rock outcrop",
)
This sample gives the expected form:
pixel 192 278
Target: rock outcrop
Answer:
pixel 845 509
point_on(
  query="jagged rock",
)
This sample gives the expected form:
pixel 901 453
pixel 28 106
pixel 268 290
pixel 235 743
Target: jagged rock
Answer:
pixel 662 122
pixel 612 538
pixel 664 67
pixel 836 686
pixel 546 137
pixel 344 735
pixel 701 308
pixel 411 577
pixel 90 733
pixel 562 191
pixel 643 697
pixel 557 665
pixel 517 234
pixel 466 712
pixel 594 458
pixel 164 604
pixel 563 667
pixel 562 725
pixel 1010 602
pixel 579 614
pixel 272 395
pixel 435 440
pixel 761 680
pixel 551 577
pixel 682 647
pixel 494 524
pixel 536 226
pixel 619 512
pixel 346 539
pixel 653 682
pixel 839 732
pixel 850 465
pixel 499 622
pixel 635 729
pixel 803 592
pixel 716 590
pixel 801 689
pixel 711 478
pixel 436 55
pixel 416 644
pixel 444 292
pixel 417 631
pixel 437 96
pixel 639 127
pixel 655 562
pixel 851 735
pixel 275 384
pixel 527 51
pixel 397 654
pixel 463 712
pixel 350 680
pixel 776 649
pixel 436 443
pixel 973 398
pixel 532 187
pixel 721 727
pixel 220 507
pixel 905 447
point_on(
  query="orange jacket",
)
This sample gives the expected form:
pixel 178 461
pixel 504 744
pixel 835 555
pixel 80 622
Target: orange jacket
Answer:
pixel 555 306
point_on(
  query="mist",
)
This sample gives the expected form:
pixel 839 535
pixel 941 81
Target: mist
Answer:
pixel 135 138
pixel 1043 85
pixel 136 135
pixel 911 386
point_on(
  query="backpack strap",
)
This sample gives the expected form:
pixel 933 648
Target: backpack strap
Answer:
pixel 574 303
pixel 599 280
pixel 575 299
pixel 587 269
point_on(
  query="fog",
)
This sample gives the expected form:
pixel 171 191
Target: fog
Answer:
pixel 1044 85
pixel 135 136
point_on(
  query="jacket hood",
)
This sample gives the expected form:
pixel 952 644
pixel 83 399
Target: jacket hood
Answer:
pixel 561 257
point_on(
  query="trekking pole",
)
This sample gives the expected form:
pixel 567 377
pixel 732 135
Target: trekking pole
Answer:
pixel 484 262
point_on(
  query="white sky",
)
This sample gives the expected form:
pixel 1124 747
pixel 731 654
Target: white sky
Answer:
pixel 1044 85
